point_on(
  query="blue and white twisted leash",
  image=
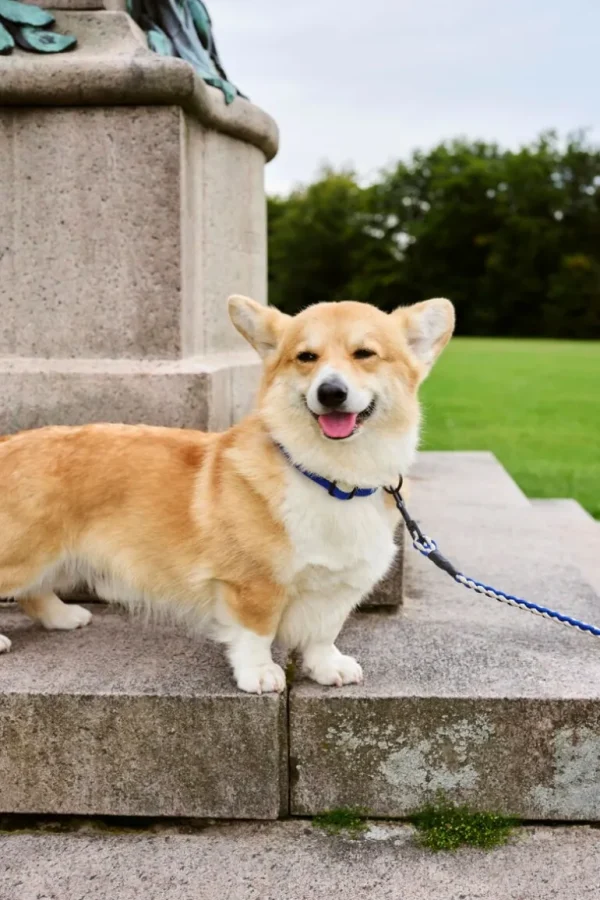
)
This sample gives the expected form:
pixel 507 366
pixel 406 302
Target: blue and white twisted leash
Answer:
pixel 427 547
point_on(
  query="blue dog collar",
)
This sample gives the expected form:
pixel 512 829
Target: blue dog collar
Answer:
pixel 330 486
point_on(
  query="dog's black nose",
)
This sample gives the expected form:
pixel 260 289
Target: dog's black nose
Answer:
pixel 332 393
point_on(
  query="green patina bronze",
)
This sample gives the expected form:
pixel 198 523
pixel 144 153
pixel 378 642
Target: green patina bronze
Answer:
pixel 29 27
pixel 180 28
pixel 183 28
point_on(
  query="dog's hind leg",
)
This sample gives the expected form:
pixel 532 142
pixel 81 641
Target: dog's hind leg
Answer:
pixel 54 615
pixel 33 539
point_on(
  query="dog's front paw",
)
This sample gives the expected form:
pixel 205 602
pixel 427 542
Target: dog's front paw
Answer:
pixel 263 679
pixel 336 670
pixel 5 644
pixel 66 617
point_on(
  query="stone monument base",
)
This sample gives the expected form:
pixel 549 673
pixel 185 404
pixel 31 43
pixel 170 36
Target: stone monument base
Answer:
pixel 132 205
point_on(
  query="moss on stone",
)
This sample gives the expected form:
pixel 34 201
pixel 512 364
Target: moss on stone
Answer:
pixel 342 820
pixel 447 827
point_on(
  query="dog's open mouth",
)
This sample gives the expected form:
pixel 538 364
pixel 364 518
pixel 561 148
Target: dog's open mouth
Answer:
pixel 339 425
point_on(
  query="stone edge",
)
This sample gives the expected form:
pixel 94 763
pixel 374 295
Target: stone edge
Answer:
pixel 140 77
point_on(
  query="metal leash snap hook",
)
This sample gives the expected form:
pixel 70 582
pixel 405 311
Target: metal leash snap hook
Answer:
pixel 397 489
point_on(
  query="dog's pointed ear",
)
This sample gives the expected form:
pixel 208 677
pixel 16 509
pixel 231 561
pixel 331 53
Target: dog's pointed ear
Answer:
pixel 428 327
pixel 262 326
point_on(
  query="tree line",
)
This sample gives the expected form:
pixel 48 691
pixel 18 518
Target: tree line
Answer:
pixel 512 237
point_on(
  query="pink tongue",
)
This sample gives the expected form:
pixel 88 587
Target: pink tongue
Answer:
pixel 337 424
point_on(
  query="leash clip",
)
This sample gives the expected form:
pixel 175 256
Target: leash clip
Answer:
pixel 421 542
pixel 395 491
pixel 414 530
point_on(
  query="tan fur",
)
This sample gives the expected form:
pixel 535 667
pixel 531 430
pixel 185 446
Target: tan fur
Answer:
pixel 183 517
pixel 158 505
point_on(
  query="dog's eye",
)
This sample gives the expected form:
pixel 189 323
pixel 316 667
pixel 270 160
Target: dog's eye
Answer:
pixel 306 356
pixel 363 353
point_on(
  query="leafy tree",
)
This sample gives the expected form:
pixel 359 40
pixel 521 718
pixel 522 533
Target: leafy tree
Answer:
pixel 513 237
pixel 316 237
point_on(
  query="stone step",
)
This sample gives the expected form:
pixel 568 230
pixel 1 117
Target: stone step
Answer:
pixel 463 695
pixel 571 519
pixel 463 478
pixel 564 505
pixel 293 861
pixel 206 392
pixel 448 478
pixel 123 719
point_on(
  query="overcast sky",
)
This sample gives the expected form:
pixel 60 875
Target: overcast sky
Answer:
pixel 364 82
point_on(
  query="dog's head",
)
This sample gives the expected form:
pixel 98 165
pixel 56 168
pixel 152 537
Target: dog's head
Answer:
pixel 339 388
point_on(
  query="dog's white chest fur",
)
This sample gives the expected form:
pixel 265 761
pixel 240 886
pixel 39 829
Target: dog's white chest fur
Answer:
pixel 337 546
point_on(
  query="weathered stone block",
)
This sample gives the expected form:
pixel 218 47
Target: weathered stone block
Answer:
pixel 118 719
pixel 293 861
pixel 463 695
pixel 133 204
pixel 389 591
pixel 208 393
pixel 536 760
pixel 125 230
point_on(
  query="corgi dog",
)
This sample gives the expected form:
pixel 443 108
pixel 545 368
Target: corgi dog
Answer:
pixel 272 530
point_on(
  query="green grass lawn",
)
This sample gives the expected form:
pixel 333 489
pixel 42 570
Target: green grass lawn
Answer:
pixel 534 404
